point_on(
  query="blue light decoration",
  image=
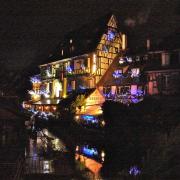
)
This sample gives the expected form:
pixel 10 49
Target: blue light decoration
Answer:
pixel 48 71
pixel 89 118
pixel 126 59
pixel 43 91
pixel 134 171
pixel 89 151
pixel 69 69
pixel 138 96
pixel 129 59
pixel 110 35
pixel 82 87
pixel 35 79
pixel 108 95
pixel 117 74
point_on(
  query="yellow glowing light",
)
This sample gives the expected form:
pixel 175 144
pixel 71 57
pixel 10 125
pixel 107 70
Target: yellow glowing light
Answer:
pixel 77 148
pixel 76 117
pixel 57 88
pixel 47 95
pixel 124 41
pixel 103 154
pixel 40 107
pixel 47 107
pixel 36 97
pixel 64 96
pixel 54 108
pixel 64 88
pixel 103 123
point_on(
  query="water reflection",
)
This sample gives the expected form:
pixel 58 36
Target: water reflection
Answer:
pixel 91 157
pixel 44 154
pixel 47 166
pixel 48 154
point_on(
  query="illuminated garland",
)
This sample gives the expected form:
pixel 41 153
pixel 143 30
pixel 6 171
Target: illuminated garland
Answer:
pixel 134 171
pixel 110 35
pixel 69 69
pixel 35 79
pixel 126 98
pixel 117 74
pixel 40 92
pixel 133 73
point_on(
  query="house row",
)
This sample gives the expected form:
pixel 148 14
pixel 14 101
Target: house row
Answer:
pixel 96 58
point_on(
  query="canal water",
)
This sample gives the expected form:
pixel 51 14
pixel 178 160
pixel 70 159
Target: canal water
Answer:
pixel 48 154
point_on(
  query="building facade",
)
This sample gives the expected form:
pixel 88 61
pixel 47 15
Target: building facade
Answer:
pixel 79 63
pixel 96 57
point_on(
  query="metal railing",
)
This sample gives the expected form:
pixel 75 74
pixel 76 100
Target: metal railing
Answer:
pixel 73 72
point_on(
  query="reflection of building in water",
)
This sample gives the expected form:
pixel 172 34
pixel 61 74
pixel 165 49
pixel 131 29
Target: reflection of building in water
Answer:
pixel 91 164
pixel 47 166
pixel 57 144
pixel 90 157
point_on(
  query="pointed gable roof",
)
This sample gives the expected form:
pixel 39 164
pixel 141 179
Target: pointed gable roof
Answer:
pixel 84 39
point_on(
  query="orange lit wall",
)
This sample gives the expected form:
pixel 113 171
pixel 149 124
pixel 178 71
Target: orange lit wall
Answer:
pixel 91 164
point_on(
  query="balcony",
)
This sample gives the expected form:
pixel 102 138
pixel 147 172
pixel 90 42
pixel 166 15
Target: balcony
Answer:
pixel 125 98
pixel 64 73
pixel 82 71
pixel 78 72
pixel 47 76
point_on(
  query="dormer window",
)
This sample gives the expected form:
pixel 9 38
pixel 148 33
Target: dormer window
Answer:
pixel 62 52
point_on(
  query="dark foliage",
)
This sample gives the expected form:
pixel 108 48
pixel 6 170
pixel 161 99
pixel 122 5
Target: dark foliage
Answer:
pixel 138 128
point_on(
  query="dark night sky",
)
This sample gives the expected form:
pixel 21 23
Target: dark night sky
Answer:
pixel 31 29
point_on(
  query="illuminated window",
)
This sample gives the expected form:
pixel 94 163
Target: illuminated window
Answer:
pixel 79 64
pixel 121 61
pixel 165 59
pixel 135 72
